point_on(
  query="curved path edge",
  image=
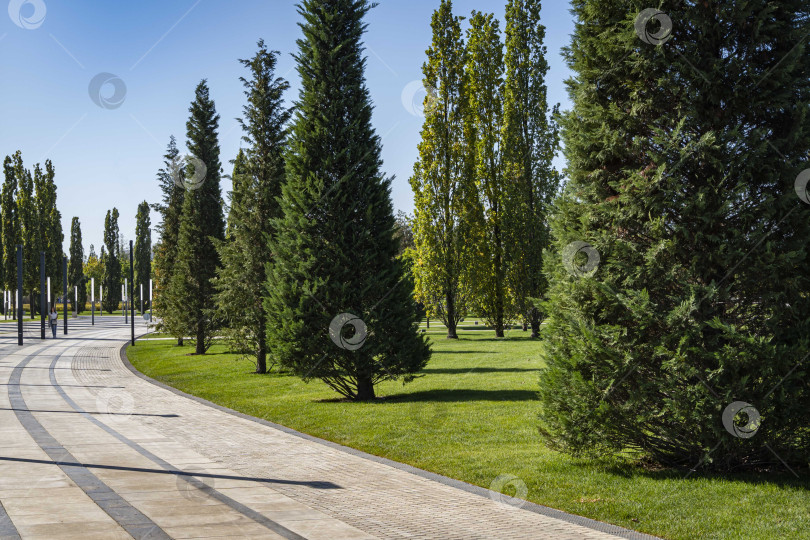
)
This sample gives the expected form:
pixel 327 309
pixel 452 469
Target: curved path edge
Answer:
pixel 446 480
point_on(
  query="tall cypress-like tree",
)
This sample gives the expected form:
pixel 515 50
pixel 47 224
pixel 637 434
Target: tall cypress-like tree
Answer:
pixel 683 161
pixel 50 238
pixel 10 225
pixel 112 279
pixel 170 179
pixel 446 206
pixel 29 231
pixel 530 141
pixel 190 297
pixel 76 267
pixel 335 267
pixel 142 255
pixel 486 89
pixel 257 179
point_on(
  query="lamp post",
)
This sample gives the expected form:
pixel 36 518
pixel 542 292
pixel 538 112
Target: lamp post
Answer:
pixel 150 300
pixel 19 295
pixel 92 301
pixel 132 284
pixel 64 295
pixel 41 292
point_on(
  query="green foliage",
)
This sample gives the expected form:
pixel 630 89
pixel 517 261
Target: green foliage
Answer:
pixel 190 296
pixel 93 268
pixel 142 255
pixel 445 197
pixel 257 178
pixel 530 141
pixel 170 178
pixel 682 163
pixel 10 223
pixel 76 277
pixel 485 71
pixel 111 260
pixel 335 251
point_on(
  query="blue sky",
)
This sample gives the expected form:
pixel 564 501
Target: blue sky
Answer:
pixel 160 50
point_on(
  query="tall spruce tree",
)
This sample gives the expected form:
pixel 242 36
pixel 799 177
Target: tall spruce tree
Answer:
pixel 142 255
pixel 257 179
pixel 111 258
pixel 170 179
pixel 190 297
pixel 683 158
pixel 76 267
pixel 447 211
pixel 485 113
pixel 335 267
pixel 530 141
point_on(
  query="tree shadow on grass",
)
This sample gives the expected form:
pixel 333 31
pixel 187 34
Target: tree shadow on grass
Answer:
pixel 477 370
pixel 462 394
pixel 628 469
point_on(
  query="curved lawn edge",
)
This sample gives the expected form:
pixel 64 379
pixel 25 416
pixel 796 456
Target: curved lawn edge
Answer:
pixel 593 524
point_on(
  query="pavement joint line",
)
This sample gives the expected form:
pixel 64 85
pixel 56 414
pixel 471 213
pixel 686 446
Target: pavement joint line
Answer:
pixel 574 519
pixel 211 492
pixel 125 515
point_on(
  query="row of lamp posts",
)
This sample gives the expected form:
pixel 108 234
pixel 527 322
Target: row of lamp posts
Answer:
pixel 45 296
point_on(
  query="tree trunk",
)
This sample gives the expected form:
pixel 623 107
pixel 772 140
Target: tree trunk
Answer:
pixel 179 342
pixel 535 321
pixel 365 388
pixel 200 339
pixel 499 294
pixel 451 316
pixel 261 354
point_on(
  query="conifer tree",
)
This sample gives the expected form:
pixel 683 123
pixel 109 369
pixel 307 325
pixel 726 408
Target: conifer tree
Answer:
pixel 340 304
pixel 142 255
pixel 76 276
pixel 446 206
pixel 190 297
pixel 689 292
pixel 111 258
pixel 170 179
pixel 257 179
pixel 530 141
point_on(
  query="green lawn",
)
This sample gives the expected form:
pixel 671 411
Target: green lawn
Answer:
pixel 473 416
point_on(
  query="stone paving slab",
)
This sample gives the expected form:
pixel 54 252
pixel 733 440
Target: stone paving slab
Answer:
pixel 192 470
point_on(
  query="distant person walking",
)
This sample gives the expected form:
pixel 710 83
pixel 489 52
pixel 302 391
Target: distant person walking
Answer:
pixel 53 316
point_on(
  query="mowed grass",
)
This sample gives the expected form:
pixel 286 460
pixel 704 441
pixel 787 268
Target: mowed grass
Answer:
pixel 472 415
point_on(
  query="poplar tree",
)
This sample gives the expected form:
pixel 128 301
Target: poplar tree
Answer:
pixel 111 258
pixel 29 230
pixel 486 89
pixel 9 225
pixel 339 302
pixel 257 179
pixel 170 178
pixel 445 197
pixel 142 255
pixel 530 142
pixel 76 267
pixel 685 145
pixel 190 297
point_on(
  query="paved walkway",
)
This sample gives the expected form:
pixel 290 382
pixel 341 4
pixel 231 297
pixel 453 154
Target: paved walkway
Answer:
pixel 90 450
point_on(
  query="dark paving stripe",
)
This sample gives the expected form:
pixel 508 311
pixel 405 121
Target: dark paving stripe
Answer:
pixel 127 516
pixel 7 529
pixel 208 490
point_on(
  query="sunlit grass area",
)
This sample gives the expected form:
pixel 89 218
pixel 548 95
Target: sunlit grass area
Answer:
pixel 472 415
